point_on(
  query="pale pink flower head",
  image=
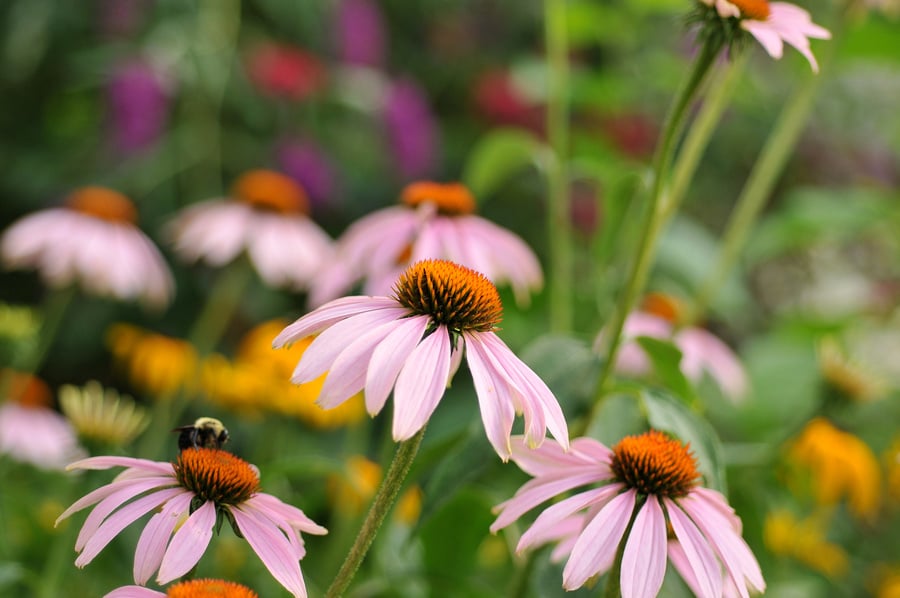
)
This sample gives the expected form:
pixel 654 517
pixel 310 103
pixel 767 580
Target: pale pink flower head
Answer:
pixel 772 24
pixel 195 588
pixel 433 221
pixel 266 215
pixel 413 343
pixel 652 478
pixel 186 498
pixel 92 240
pixel 702 353
pixel 30 430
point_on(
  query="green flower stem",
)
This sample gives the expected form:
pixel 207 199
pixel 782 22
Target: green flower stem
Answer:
pixel 758 187
pixel 381 504
pixel 720 92
pixel 559 226
pixel 655 216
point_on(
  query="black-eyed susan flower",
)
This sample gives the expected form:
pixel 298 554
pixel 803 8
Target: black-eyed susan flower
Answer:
pixel 266 215
pixel 643 486
pixel 101 415
pixel 187 498
pixel 433 221
pixel 92 241
pixel 154 363
pixel 805 540
pixel 30 430
pixel 412 343
pixel 772 24
pixel 195 588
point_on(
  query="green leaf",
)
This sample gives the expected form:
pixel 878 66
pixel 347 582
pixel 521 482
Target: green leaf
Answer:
pixel 567 365
pixel 452 536
pixel 666 360
pixel 668 414
pixel 497 157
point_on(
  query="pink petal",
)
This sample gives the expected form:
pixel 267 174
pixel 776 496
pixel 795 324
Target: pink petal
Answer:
pixel 277 510
pixel 596 547
pixel 644 559
pixel 273 549
pixel 421 384
pixel 707 571
pixel 554 514
pixel 134 592
pixel 120 520
pixel 494 400
pixel 388 359
pixel 98 495
pixel 107 462
pixel 329 314
pixel 349 370
pixel 151 545
pixel 552 459
pixel 188 544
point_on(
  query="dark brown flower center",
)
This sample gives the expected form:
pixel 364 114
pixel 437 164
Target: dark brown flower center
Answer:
pixel 452 295
pixel 102 203
pixel 653 463
pixel 209 588
pixel 758 10
pixel 269 190
pixel 216 475
pixel 452 199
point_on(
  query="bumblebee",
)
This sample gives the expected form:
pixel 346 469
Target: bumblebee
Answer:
pixel 205 432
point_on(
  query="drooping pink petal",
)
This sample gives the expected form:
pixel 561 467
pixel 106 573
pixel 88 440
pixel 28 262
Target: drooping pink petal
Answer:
pixel 273 549
pixel 554 514
pixel 98 495
pixel 597 545
pixel 277 510
pixel 134 592
pixel 388 359
pixel 644 559
pixel 120 520
pixel 536 492
pixel 151 546
pixel 330 313
pixel 552 459
pixel 421 384
pixel 494 400
pixel 107 462
pixel 188 544
pixel 707 571
pixel 683 566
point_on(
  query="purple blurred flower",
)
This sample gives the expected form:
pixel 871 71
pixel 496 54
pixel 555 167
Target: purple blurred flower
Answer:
pixel 411 129
pixel 307 164
pixel 139 105
pixel 360 33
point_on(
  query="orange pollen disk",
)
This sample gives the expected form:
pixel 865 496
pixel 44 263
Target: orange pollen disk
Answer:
pixel 758 10
pixel 216 475
pixel 102 203
pixel 209 588
pixel 653 463
pixel 27 390
pixel 451 295
pixel 270 190
pixel 453 199
pixel 662 305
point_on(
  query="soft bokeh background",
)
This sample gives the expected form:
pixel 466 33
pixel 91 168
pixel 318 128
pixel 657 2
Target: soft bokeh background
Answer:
pixel 169 101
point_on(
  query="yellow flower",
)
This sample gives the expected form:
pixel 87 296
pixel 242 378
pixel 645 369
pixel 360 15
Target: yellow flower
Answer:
pixel 804 540
pixel 260 378
pixel 889 584
pixel 352 491
pixel 892 466
pixel 839 464
pixel 848 377
pixel 102 415
pixel 154 363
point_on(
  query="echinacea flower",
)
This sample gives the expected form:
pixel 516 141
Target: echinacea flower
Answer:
pixel 187 498
pixel 434 221
pixel 772 24
pixel 30 430
pixel 413 343
pixel 267 216
pixel 701 351
pixel 195 588
pixel 102 415
pixel 92 240
pixel 651 479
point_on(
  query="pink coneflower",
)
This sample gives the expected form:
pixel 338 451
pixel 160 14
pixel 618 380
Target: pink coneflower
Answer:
pixel 196 588
pixel 93 241
pixel 203 485
pixel 413 342
pixel 267 216
pixel 774 23
pixel 434 220
pixel 652 479
pixel 701 351
pixel 30 430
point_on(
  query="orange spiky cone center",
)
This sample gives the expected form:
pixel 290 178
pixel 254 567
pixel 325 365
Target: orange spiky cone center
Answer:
pixel 653 463
pixel 273 191
pixel 452 199
pixel 216 475
pixel 102 203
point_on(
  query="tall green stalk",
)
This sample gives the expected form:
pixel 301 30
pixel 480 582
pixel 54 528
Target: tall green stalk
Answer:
pixel 381 504
pixel 559 233
pixel 655 214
